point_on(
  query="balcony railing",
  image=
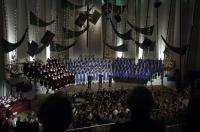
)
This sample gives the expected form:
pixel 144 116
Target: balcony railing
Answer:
pixel 106 128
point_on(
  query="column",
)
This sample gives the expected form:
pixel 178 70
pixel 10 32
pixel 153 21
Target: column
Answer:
pixel 2 74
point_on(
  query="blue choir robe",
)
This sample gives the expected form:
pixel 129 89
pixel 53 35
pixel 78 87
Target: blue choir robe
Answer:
pixel 148 75
pixel 86 76
pixel 106 75
pixel 82 77
pixel 96 76
pixel 78 78
pixel 116 74
pixel 133 75
pixel 125 74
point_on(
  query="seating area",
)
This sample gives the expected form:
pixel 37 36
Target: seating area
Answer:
pixel 12 104
pixel 18 123
pixel 106 106
pixel 20 106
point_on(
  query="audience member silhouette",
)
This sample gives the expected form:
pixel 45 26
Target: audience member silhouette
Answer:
pixel 55 114
pixel 140 102
pixel 193 116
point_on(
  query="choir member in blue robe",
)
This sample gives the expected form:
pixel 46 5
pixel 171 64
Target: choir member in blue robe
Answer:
pixel 83 77
pixel 105 75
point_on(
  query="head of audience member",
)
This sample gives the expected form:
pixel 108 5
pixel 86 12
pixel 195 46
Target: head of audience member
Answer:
pixel 140 102
pixel 55 113
pixel 193 117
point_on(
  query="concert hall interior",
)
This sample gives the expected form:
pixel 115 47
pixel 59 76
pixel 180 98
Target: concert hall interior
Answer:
pixel 99 65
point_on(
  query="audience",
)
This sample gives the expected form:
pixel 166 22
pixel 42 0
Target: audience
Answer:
pixel 99 107
pixel 28 124
pixel 140 102
pixel 109 106
pixel 193 115
pixel 7 101
pixel 103 106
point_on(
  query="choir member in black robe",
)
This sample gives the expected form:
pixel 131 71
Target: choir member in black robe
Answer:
pixel 100 80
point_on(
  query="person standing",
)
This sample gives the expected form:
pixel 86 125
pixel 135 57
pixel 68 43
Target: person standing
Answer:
pixel 89 80
pixel 110 79
pixel 100 80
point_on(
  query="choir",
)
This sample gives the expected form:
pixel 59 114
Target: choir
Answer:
pixel 142 71
pixel 52 75
pixel 84 66
pixel 56 74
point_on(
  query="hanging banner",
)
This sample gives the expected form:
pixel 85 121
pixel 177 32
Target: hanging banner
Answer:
pixel 69 5
pixel 94 17
pixel 8 47
pixel 33 48
pixel 121 48
pixel 180 51
pixel 83 16
pixel 169 62
pixel 121 2
pixel 71 34
pixel 157 4
pixel 145 31
pixel 47 38
pixel 34 20
pixel 147 43
pixel 103 2
pixel 116 3
pixel 108 7
pixel 59 48
pixel 124 36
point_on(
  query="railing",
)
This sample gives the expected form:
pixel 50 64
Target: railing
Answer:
pixel 110 124
pixel 89 127
pixel 14 68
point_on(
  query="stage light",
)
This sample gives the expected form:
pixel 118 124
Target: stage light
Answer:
pixel 48 52
pixel 119 54
pixel 140 53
